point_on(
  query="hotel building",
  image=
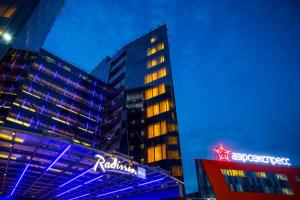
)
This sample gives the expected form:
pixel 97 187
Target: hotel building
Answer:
pixel 142 96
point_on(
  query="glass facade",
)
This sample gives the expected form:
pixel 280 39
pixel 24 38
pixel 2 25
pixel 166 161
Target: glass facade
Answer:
pixel 140 75
pixel 42 93
pixel 260 182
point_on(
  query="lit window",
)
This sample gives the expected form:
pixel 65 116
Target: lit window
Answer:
pixel 9 12
pixel 2 28
pixel 156 153
pixel 155 49
pixel 176 170
pixel 158 108
pixel 155 75
pixel 155 91
pixel 153 39
pixel 155 61
pixel 172 127
pixel 172 140
pixel 173 155
pixel 261 174
pixel 157 129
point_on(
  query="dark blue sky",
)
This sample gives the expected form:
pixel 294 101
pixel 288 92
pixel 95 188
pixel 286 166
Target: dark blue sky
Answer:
pixel 236 66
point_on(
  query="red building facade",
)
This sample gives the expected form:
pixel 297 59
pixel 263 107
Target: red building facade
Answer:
pixel 225 180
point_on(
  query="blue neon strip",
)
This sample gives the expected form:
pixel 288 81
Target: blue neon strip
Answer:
pixel 19 180
pixel 68 190
pixel 93 179
pixel 100 195
pixel 151 182
pixel 80 196
pixel 76 177
pixel 66 149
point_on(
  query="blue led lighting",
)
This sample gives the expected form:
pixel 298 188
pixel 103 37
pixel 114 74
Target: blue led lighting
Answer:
pixel 76 177
pixel 80 196
pixel 93 179
pixel 19 180
pixel 100 195
pixel 151 182
pixel 68 190
pixel 66 149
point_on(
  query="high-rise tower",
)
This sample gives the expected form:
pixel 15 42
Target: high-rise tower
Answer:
pixel 141 78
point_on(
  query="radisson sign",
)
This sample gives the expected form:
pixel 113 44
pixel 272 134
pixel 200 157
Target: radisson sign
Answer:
pixel 224 154
pixel 114 165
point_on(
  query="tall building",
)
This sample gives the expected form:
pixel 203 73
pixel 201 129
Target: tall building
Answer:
pixel 24 24
pixel 142 96
pixel 39 92
pixel 34 32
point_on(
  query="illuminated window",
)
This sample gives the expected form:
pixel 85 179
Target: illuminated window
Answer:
pixel 282 177
pixel 261 174
pixel 172 127
pixel 9 12
pixel 155 49
pixel 155 61
pixel 232 172
pixel 155 91
pixel 155 75
pixel 2 28
pixel 158 108
pixel 156 153
pixel 157 129
pixel 176 170
pixel 173 140
pixel 173 155
pixel 153 39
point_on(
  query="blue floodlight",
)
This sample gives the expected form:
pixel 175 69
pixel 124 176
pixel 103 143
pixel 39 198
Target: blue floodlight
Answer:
pixel 66 149
pixel 80 196
pixel 19 180
pixel 68 190
pixel 93 179
pixel 151 182
pixel 100 195
pixel 76 177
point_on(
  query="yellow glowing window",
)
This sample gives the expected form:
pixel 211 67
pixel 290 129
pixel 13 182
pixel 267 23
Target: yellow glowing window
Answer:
pixel 153 50
pixel 1 29
pixel 158 108
pixel 173 140
pixel 156 153
pixel 155 61
pixel 9 12
pixel 155 75
pixel 157 129
pixel 8 137
pixel 173 155
pixel 18 121
pixel 261 174
pixel 232 172
pixel 155 91
pixel 153 39
pixel 172 127
pixel 176 170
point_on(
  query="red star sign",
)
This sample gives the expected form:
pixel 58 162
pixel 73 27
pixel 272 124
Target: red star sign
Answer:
pixel 222 153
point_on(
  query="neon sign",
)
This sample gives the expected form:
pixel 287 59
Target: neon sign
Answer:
pixel 115 165
pixel 224 154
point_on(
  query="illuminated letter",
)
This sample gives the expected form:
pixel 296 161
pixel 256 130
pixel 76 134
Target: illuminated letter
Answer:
pixel 100 162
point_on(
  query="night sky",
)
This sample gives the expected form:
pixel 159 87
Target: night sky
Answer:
pixel 236 66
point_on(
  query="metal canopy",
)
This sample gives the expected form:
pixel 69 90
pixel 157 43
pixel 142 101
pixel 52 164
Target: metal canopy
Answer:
pixel 48 167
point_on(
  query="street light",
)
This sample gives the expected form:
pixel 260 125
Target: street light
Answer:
pixel 7 37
